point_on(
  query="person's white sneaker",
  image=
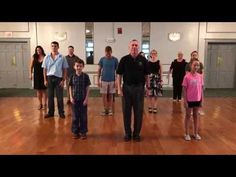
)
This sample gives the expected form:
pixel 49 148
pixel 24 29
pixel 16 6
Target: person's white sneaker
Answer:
pixel 197 137
pixel 201 113
pixel 187 137
pixel 110 113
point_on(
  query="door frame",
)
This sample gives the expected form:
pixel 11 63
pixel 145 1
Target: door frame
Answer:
pixel 2 39
pixel 15 40
pixel 215 41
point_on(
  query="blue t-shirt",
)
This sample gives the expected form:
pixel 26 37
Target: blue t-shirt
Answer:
pixel 109 66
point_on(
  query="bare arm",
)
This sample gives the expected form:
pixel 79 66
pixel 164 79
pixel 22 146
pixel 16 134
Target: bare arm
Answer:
pixel 64 75
pixel 99 75
pixel 147 83
pixel 119 84
pixel 45 77
pixel 31 68
pixel 71 97
pixel 185 96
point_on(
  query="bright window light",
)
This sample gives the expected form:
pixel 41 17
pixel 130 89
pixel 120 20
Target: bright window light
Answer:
pixel 88 49
pixel 90 44
pixel 145 50
pixel 145 46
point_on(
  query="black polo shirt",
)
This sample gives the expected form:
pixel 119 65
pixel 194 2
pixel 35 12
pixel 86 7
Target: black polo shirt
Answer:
pixel 133 70
pixel 178 71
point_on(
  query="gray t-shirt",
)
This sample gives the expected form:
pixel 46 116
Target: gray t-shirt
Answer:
pixel 71 61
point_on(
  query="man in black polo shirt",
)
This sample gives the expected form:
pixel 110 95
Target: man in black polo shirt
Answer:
pixel 134 69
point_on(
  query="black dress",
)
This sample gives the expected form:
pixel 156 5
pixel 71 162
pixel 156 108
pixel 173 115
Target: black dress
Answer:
pixel 38 76
pixel 155 79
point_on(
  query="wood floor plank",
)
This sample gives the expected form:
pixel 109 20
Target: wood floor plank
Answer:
pixel 23 130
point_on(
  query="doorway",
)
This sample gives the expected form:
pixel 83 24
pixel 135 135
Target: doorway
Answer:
pixel 14 67
pixel 220 65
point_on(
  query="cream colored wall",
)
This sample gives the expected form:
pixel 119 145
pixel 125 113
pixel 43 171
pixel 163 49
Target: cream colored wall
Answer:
pixel 193 36
pixel 75 36
pixel 167 50
pixel 120 45
pixel 104 31
pixel 20 30
pixel 212 30
pixel 44 33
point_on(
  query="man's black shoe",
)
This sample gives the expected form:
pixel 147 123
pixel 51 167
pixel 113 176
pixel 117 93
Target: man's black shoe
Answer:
pixel 48 115
pixel 62 116
pixel 127 138
pixel 137 138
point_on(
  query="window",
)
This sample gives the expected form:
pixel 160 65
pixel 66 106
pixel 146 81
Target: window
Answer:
pixel 89 43
pixel 146 39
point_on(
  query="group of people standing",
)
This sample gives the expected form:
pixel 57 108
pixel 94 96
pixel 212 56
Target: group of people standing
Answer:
pixel 189 76
pixel 132 76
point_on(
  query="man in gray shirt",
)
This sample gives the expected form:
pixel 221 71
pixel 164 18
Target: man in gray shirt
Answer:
pixel 71 58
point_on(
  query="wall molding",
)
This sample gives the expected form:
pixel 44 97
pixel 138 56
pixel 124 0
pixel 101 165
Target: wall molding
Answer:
pixel 207 29
pixel 27 28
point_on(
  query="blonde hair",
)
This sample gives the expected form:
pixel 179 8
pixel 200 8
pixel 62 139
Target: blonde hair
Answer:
pixel 153 50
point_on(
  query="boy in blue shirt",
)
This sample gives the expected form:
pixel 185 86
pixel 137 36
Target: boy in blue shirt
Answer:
pixel 107 67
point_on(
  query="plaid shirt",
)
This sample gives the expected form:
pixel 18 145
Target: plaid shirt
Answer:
pixel 79 85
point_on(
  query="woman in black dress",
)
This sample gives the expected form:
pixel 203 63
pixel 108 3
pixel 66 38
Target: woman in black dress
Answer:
pixel 37 71
pixel 177 69
pixel 155 81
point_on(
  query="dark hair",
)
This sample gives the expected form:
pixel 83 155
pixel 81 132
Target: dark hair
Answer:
pixel 108 49
pixel 55 42
pixel 70 46
pixel 194 52
pixel 79 61
pixel 140 53
pixel 134 40
pixel 191 63
pixel 35 55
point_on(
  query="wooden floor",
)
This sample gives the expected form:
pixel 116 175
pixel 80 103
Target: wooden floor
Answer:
pixel 23 130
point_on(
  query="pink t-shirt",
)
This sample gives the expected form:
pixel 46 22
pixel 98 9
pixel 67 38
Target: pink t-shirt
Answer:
pixel 194 84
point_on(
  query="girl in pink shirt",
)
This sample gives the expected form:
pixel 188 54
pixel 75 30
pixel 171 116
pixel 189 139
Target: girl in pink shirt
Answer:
pixel 193 97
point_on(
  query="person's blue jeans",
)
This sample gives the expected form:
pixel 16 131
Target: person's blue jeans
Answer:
pixel 79 118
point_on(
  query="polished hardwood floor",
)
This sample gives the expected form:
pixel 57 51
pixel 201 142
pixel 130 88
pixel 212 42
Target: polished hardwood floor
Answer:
pixel 23 130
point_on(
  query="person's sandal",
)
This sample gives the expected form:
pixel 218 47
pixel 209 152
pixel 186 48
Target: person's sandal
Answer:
pixel 40 106
pixel 155 110
pixel 150 110
pixel 44 106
